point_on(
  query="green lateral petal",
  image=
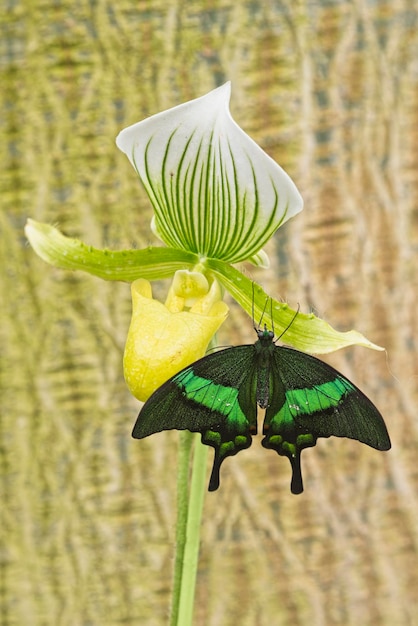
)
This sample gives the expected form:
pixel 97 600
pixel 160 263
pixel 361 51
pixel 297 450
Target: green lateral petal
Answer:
pixel 307 332
pixel 215 192
pixel 125 265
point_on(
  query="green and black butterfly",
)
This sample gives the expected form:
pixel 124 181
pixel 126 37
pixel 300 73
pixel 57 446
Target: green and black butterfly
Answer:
pixel 304 399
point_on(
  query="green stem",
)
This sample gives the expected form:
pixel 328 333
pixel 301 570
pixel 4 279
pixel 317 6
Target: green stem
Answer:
pixel 191 550
pixel 189 515
pixel 184 453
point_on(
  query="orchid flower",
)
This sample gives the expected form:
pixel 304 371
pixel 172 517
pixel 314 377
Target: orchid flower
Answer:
pixel 217 199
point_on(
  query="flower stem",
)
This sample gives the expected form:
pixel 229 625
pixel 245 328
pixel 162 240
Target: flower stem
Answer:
pixel 185 449
pixel 191 552
pixel 189 515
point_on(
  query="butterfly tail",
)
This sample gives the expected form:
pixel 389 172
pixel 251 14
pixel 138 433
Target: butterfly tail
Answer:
pixel 224 445
pixel 291 449
pixel 214 477
pixel 296 485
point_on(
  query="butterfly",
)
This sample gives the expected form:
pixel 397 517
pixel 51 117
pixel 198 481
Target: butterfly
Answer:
pixel 303 397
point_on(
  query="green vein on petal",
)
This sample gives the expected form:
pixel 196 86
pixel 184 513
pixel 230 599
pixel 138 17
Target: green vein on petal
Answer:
pixel 126 265
pixel 307 332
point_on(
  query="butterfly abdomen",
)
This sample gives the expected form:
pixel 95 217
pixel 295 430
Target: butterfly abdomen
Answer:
pixel 263 387
pixel 264 354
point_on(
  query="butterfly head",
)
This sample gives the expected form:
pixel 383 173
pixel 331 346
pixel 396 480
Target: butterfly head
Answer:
pixel 265 335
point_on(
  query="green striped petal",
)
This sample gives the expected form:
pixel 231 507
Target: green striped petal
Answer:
pixel 215 192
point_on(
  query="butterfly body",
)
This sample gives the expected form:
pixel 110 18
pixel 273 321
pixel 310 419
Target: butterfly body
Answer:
pixel 303 397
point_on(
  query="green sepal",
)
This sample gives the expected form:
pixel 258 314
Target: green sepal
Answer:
pixel 125 265
pixel 303 331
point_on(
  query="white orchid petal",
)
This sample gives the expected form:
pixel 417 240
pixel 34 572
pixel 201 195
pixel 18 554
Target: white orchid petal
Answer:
pixel 215 192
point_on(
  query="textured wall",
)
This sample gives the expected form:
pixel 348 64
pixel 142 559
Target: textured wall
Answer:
pixel 330 90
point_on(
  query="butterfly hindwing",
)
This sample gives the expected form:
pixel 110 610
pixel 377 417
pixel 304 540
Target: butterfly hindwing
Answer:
pixel 318 402
pixel 204 398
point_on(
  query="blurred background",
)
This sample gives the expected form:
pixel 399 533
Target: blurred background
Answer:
pixel 330 90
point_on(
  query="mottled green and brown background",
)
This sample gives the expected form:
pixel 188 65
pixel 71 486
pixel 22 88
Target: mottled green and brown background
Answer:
pixel 330 90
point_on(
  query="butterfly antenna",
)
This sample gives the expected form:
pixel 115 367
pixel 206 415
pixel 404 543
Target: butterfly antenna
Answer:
pixel 253 310
pixel 252 306
pixel 289 324
pixel 264 311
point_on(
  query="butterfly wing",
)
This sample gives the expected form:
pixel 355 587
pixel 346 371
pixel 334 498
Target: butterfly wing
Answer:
pixel 210 396
pixel 314 400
